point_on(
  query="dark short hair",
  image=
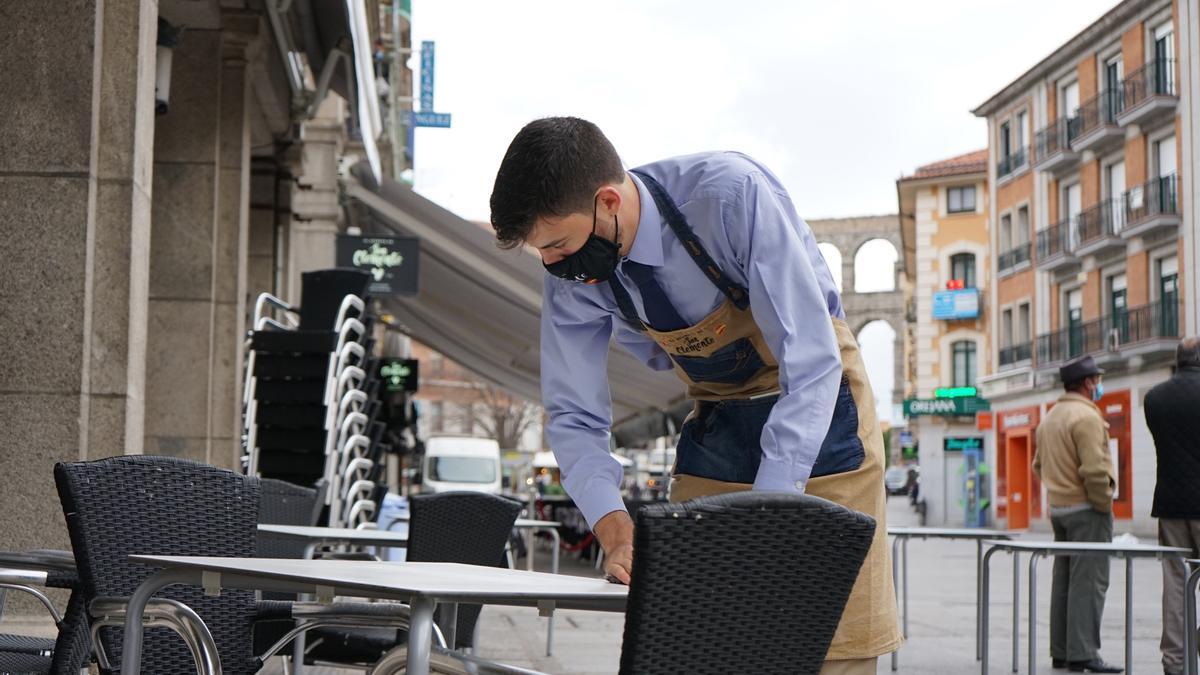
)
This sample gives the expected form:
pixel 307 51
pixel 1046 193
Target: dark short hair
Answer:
pixel 1187 353
pixel 553 167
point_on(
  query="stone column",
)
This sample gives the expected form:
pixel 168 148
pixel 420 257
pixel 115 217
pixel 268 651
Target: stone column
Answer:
pixel 229 280
pixel 75 161
pixel 316 212
pixel 183 255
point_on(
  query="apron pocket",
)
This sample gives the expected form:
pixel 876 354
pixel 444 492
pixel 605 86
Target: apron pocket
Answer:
pixel 721 442
pixel 842 450
pixel 734 363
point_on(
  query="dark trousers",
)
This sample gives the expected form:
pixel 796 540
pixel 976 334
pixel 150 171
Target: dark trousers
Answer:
pixel 1078 587
pixel 1184 534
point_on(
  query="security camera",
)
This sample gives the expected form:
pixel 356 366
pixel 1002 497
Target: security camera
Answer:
pixel 168 37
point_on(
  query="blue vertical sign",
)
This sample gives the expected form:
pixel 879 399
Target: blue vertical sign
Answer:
pixel 427 76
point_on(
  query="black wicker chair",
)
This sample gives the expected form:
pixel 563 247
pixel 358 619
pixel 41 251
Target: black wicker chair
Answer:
pixel 164 506
pixel 70 651
pixel 749 582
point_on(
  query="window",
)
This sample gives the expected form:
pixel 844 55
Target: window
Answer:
pixel 1168 295
pixel 1118 308
pixel 1022 236
pixel 1024 329
pixel 1074 321
pixel 960 199
pixel 962 268
pixel 1164 55
pixel 964 363
pixel 1006 238
pixel 1022 135
pixel 1113 74
pixel 1164 156
pixel 1005 141
pixel 1006 328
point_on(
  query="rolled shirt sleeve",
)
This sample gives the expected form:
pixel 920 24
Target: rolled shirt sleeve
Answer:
pixel 574 362
pixel 793 315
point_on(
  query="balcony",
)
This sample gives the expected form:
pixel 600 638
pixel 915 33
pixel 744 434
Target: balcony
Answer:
pixel 1012 164
pixel 1055 245
pixel 1097 122
pixel 1015 258
pixel 1010 357
pixel 1151 207
pixel 1100 227
pixel 1053 146
pixel 1152 329
pixel 1149 93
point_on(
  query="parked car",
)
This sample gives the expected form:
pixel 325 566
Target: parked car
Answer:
pixel 461 463
pixel 896 480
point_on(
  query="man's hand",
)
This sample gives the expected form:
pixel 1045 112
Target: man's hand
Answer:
pixel 615 532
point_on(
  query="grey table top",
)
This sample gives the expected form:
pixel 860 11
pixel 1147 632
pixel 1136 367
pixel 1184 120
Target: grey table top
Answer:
pixel 950 532
pixel 1087 546
pixel 449 582
pixel 344 534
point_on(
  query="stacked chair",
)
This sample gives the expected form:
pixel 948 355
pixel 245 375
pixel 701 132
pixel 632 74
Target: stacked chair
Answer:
pixel 311 398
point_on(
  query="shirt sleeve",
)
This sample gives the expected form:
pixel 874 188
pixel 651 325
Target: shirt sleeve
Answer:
pixel 575 394
pixel 792 314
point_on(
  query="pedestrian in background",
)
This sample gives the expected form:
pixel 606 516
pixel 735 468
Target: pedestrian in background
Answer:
pixel 1073 463
pixel 1173 417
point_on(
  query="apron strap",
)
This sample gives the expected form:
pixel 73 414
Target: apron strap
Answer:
pixel 691 244
pixel 625 303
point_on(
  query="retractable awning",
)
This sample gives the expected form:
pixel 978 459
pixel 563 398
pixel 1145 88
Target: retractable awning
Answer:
pixel 481 306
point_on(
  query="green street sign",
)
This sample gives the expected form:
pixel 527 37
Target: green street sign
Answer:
pixel 945 407
pixel 961 443
pixel 954 392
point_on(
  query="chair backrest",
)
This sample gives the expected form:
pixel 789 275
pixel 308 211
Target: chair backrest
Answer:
pixel 162 506
pixel 461 527
pixel 284 503
pixel 749 582
pixel 322 292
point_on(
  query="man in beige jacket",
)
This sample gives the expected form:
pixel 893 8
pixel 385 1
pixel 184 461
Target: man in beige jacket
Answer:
pixel 1073 463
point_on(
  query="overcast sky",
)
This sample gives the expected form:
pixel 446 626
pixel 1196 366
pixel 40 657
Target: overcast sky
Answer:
pixel 838 98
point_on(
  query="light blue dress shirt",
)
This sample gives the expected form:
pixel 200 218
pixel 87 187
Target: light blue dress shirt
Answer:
pixel 748 224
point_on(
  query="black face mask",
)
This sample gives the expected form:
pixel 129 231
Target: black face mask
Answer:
pixel 594 262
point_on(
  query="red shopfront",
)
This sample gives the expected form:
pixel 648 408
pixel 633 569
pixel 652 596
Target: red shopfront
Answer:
pixel 1018 491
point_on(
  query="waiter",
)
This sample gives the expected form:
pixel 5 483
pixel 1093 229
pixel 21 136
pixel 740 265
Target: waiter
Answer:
pixel 698 264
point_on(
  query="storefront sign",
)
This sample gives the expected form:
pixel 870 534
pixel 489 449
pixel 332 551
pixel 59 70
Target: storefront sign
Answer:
pixel 399 374
pixel 1015 420
pixel 946 407
pixel 392 262
pixel 961 443
pixel 954 392
pixel 952 305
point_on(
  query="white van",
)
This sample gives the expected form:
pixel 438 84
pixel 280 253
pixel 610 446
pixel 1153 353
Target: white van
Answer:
pixel 461 463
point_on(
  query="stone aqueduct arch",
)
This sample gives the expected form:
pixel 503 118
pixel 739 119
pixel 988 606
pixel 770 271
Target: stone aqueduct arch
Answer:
pixel 848 235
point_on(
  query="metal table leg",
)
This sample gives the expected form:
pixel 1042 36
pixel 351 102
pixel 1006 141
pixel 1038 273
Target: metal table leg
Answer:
pixel 985 591
pixel 299 645
pixel 449 623
pixel 1128 612
pixel 131 650
pixel 1189 622
pixel 1016 614
pixel 904 549
pixel 896 588
pixel 420 633
pixel 1033 558
pixel 978 582
pixel 554 570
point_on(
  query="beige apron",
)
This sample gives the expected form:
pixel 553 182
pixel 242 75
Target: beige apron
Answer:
pixel 730 336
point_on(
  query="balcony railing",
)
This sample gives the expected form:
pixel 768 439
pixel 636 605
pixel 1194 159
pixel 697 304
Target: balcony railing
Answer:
pixel 1155 197
pixel 1014 256
pixel 1156 78
pixel 1100 226
pixel 1053 143
pixel 1123 329
pixel 1058 239
pixel 1018 159
pixel 1097 121
pixel 1016 354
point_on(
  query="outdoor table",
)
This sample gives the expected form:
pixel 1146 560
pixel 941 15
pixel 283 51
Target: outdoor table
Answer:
pixel 1038 549
pixel 1189 618
pixel 900 572
pixel 531 526
pixel 316 537
pixel 422 585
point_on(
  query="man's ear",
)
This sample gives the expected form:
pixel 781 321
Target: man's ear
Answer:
pixel 608 199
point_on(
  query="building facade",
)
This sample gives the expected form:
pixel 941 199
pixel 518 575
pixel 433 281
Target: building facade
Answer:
pixel 1090 246
pixel 944 225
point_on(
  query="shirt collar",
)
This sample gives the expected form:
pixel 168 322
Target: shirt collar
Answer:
pixel 647 245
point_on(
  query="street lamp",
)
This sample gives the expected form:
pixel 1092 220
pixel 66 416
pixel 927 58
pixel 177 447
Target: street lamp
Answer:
pixel 168 37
